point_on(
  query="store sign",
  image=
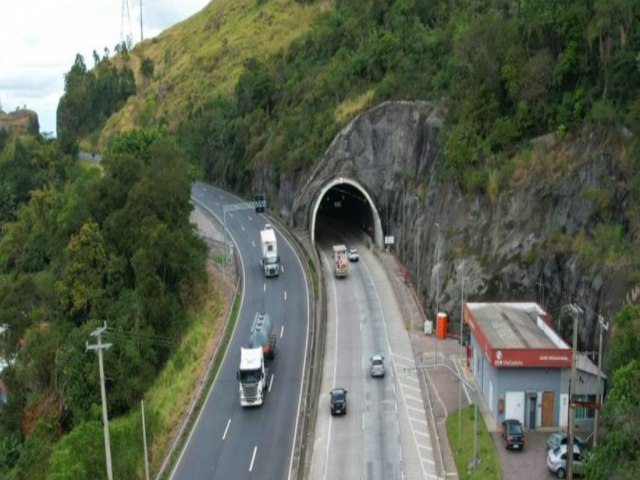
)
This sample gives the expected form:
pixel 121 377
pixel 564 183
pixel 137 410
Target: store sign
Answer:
pixel 553 358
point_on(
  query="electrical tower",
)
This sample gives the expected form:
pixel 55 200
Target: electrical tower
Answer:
pixel 126 35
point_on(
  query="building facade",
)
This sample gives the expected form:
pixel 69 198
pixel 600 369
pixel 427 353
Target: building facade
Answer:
pixel 522 367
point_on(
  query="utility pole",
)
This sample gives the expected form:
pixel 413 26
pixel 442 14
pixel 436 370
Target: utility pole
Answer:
pixel 603 325
pixel 571 394
pixel 461 314
pixel 437 283
pixel 144 442
pixel 105 418
pixel 437 270
pixel 461 299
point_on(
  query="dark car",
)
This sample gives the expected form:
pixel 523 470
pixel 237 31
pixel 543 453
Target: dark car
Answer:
pixel 513 434
pixel 338 401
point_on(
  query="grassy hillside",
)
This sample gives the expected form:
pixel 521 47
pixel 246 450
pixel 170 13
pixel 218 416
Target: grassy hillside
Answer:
pixel 203 56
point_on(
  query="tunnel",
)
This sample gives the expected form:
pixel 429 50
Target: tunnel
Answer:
pixel 344 210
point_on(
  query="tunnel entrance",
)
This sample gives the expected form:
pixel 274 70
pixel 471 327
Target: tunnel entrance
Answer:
pixel 345 209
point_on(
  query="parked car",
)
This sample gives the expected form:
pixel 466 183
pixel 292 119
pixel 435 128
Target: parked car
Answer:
pixel 352 254
pixel 377 365
pixel 513 434
pixel 561 438
pixel 557 461
pixel 338 401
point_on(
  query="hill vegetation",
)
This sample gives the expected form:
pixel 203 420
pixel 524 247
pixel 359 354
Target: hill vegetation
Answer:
pixel 80 247
pixel 247 84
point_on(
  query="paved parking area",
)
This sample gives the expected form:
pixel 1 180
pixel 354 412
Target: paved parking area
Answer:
pixel 528 464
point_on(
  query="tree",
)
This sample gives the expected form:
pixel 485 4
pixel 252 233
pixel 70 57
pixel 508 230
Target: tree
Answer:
pixel 146 68
pixel 82 281
pixel 618 455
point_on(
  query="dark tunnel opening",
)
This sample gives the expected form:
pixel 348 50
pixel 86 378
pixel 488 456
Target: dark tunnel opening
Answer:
pixel 344 215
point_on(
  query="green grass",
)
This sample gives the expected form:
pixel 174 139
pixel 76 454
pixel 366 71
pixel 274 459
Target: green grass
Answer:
pixel 489 467
pixel 203 56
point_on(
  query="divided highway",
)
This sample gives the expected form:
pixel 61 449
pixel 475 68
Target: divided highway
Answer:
pixel 228 441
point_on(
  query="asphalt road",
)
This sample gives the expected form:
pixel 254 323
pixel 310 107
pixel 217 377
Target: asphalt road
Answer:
pixel 227 441
pixel 366 442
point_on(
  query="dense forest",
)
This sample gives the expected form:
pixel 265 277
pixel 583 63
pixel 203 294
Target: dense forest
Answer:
pixel 79 247
pixel 83 246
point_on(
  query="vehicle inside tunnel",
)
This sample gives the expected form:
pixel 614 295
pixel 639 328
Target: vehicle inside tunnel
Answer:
pixel 345 211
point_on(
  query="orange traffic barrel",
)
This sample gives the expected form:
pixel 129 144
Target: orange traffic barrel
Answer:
pixel 441 325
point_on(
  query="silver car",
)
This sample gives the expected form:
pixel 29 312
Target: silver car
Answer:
pixel 557 461
pixel 377 365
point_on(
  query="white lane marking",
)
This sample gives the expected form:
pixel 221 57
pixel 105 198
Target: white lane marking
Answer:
pixel 270 382
pixel 408 359
pixel 395 355
pixel 265 287
pixel 242 227
pixel 253 243
pixel 411 388
pixel 285 295
pixel 253 457
pixel 335 363
pixel 304 357
pixel 281 331
pixel 411 397
pixel 282 268
pixel 409 407
pixel 224 435
pixel 230 215
pixel 250 218
pixel 424 434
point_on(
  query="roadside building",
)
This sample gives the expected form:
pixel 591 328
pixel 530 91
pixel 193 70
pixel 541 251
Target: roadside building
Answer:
pixel 523 367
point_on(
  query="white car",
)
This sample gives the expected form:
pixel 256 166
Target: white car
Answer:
pixel 377 365
pixel 352 254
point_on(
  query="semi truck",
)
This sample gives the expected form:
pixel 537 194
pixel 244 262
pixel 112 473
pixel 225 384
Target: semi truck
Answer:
pixel 270 257
pixel 340 261
pixel 254 374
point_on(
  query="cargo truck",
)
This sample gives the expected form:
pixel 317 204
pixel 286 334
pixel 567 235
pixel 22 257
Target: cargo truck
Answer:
pixel 340 261
pixel 270 257
pixel 254 374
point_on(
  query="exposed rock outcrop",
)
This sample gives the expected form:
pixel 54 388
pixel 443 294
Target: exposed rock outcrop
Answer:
pixel 20 122
pixel 506 247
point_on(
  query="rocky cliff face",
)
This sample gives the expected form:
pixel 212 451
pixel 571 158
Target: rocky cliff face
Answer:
pixel 20 122
pixel 513 245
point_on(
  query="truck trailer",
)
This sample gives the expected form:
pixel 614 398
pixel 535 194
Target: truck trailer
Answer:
pixel 270 258
pixel 254 375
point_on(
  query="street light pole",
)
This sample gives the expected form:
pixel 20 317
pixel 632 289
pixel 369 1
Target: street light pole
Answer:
pixel 603 325
pixel 437 270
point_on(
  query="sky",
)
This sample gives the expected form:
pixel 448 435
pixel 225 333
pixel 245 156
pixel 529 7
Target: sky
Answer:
pixel 39 41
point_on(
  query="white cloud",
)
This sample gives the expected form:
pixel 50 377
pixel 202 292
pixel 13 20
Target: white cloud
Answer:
pixel 39 41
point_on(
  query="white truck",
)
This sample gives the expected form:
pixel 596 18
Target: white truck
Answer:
pixel 270 258
pixel 340 261
pixel 254 375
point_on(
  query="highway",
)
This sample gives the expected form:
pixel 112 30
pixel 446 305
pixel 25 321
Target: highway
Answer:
pixel 227 441
pixel 366 442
